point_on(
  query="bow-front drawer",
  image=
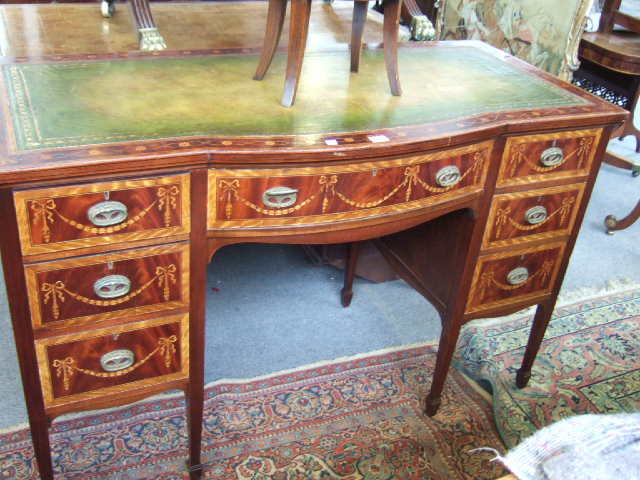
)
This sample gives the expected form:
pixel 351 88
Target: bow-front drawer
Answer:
pixel 101 287
pixel 532 215
pixel 312 195
pixel 548 156
pixel 518 275
pixel 69 217
pixel 111 360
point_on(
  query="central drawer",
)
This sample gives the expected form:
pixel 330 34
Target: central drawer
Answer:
pixel 298 196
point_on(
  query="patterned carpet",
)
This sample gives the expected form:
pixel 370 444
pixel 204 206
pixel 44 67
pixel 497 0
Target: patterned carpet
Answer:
pixel 355 419
pixel 589 362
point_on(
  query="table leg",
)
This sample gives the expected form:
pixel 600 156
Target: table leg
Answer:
pixel 390 34
pixel 300 12
pixel 446 347
pixel 275 20
pixel 353 252
pixel 538 329
pixel 149 36
pixel 357 30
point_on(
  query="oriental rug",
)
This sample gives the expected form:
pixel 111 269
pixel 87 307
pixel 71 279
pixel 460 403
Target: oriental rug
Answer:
pixel 352 419
pixel 589 362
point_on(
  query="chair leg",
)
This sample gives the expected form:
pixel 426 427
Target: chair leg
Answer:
pixel 613 224
pixel 357 30
pixel 275 20
pixel 300 12
pixel 148 34
pixel 390 33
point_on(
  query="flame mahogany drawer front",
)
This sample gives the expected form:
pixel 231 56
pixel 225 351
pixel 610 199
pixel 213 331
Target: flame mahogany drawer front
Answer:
pixel 68 217
pixel 112 360
pixel 295 196
pixel 517 275
pixel 89 289
pixel 531 215
pixel 548 156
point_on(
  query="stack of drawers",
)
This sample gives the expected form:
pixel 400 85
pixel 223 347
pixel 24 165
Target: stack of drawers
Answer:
pixel 538 193
pixel 107 272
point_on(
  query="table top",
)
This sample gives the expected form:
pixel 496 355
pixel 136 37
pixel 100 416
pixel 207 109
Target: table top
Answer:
pixel 61 111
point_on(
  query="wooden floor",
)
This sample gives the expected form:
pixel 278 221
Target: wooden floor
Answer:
pixel 45 29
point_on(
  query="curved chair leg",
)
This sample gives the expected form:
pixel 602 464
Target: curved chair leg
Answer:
pixel 390 33
pixel 300 12
pixel 275 20
pixel 613 224
pixel 360 8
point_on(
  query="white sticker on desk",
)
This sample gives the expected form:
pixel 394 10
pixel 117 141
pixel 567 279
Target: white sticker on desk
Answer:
pixel 378 138
pixel 331 141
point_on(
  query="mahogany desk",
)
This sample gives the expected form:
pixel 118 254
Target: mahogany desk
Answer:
pixel 474 182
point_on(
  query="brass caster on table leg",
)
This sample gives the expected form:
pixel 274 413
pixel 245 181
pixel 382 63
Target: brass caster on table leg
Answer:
pixel 522 378
pixel 431 405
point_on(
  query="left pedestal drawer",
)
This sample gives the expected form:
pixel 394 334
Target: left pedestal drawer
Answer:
pixel 89 215
pixel 114 360
pixel 110 286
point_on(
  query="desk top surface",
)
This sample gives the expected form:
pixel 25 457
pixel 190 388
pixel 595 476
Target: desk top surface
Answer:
pixel 64 110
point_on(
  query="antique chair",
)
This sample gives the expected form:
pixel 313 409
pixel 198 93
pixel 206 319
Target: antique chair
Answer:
pixel 544 33
pixel 298 29
pixel 610 68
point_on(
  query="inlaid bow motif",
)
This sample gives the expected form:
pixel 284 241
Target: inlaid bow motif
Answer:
pixel 67 367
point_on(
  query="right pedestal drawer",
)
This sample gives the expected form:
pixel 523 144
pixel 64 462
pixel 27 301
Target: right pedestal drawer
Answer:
pixel 532 215
pixel 514 276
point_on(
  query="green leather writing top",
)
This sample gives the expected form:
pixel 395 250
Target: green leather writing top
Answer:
pixel 65 104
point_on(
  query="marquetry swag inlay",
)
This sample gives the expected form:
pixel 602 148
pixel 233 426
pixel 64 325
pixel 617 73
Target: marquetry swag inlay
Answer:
pixel 489 278
pixel 327 189
pixel 502 217
pixel 43 211
pixel 551 158
pixel 67 367
pixel 54 292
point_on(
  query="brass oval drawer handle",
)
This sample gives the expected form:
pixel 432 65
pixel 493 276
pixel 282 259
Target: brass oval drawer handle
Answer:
pixel 535 215
pixel 552 156
pixel 517 276
pixel 112 286
pixel 105 214
pixel 280 197
pixel 448 176
pixel 117 360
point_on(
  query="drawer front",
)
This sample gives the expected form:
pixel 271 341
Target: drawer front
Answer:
pixel 532 215
pixel 100 287
pixel 504 278
pixel 101 362
pixel 55 219
pixel 549 156
pixel 296 196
